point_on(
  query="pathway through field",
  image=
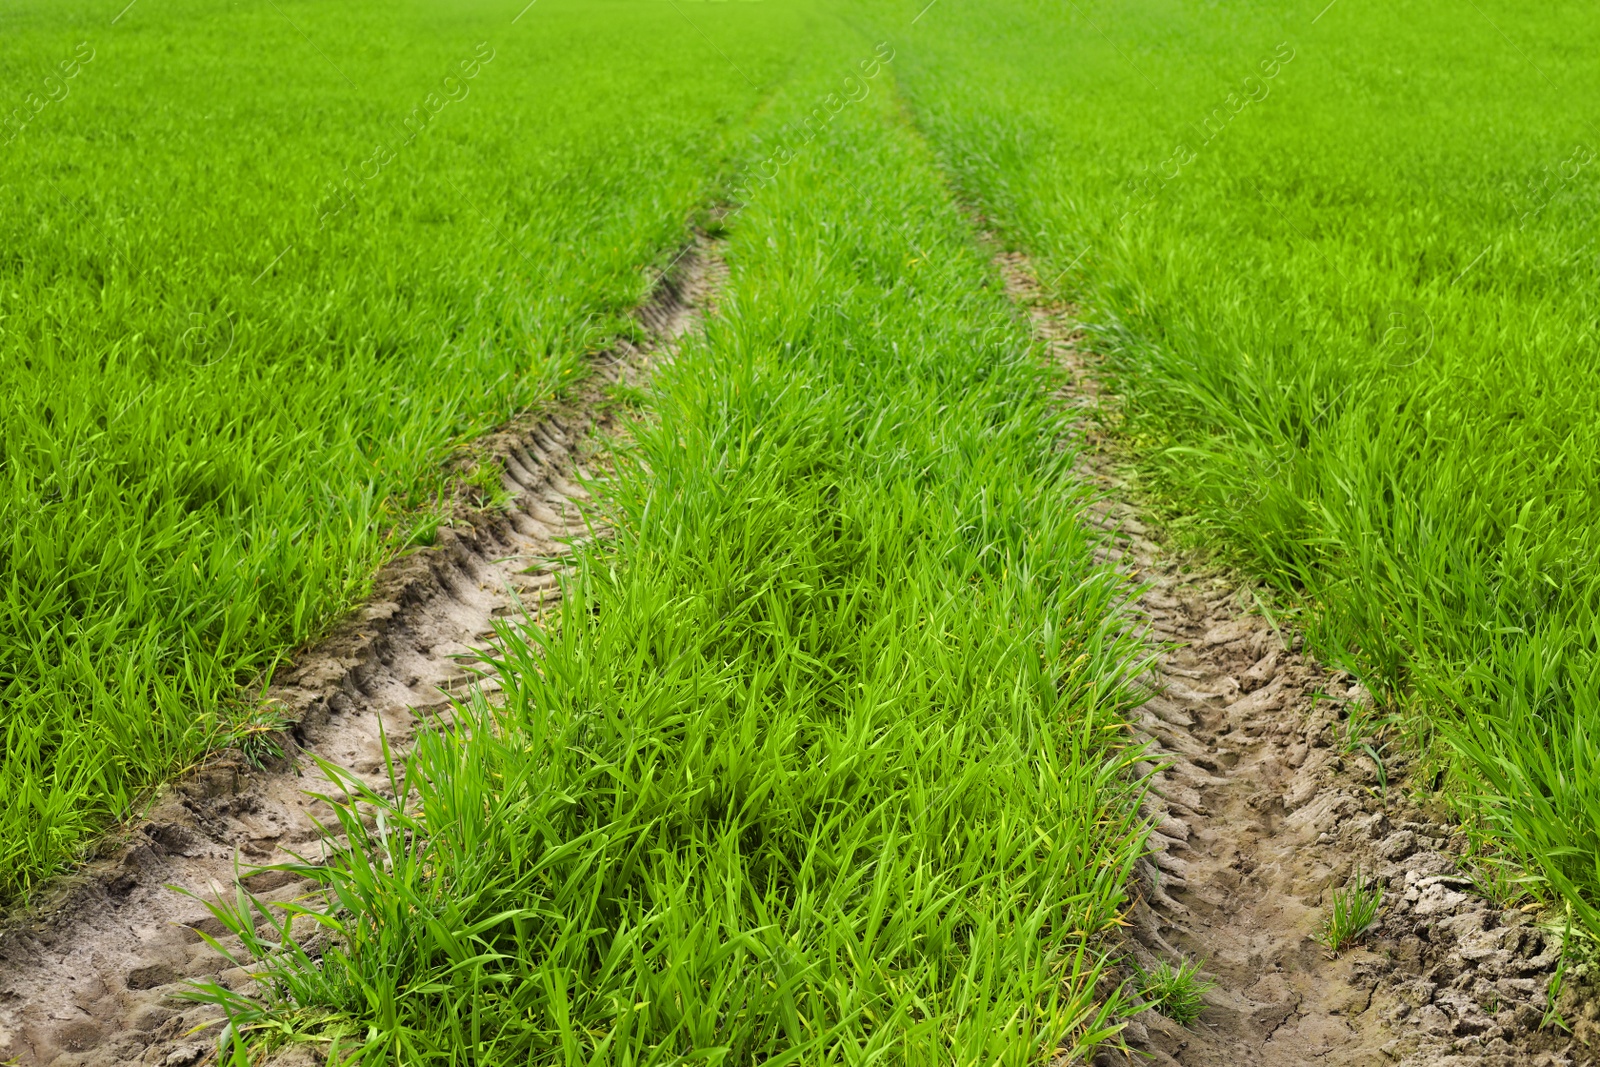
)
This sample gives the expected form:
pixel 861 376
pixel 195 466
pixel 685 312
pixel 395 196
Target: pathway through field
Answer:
pixel 91 982
pixel 1261 812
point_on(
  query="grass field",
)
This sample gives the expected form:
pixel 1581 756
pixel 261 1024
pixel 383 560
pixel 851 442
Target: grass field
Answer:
pixel 821 763
pixel 833 719
pixel 825 760
pixel 1343 260
pixel 265 266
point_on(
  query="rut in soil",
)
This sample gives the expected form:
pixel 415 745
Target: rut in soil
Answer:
pixel 90 978
pixel 1262 808
pixel 1259 808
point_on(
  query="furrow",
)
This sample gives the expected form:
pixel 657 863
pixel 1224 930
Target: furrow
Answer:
pixel 1263 805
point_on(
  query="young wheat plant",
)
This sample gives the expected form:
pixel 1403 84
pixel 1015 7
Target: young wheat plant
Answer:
pixel 1354 908
pixel 1176 992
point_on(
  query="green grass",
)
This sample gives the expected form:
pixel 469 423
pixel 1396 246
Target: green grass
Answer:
pixel 1344 269
pixel 1351 912
pixel 823 760
pixel 251 298
pixel 1176 992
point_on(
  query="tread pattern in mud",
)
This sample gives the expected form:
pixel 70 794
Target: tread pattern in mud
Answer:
pixel 1260 807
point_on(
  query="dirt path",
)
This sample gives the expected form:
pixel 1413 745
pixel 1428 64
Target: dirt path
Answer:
pixel 1263 810
pixel 1259 813
pixel 90 979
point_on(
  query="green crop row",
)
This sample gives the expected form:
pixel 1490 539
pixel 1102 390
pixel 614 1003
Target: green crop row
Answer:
pixel 1343 260
pixel 263 267
pixel 823 760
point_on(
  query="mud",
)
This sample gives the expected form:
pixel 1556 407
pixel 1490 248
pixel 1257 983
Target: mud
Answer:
pixel 89 977
pixel 1262 807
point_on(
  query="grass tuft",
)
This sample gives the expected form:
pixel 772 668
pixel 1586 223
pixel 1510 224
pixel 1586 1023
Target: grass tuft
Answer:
pixel 1351 912
pixel 1176 992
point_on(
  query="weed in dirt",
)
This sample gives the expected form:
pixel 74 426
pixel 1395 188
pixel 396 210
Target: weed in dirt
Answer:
pixel 1351 912
pixel 264 268
pixel 1499 878
pixel 1552 1018
pixel 259 736
pixel 1176 992
pixel 824 759
pixel 488 485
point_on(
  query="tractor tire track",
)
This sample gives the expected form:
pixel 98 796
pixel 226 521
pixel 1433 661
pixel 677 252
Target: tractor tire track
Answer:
pixel 89 978
pixel 1260 809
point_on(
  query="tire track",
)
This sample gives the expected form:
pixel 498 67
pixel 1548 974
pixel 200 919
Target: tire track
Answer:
pixel 89 978
pixel 1260 807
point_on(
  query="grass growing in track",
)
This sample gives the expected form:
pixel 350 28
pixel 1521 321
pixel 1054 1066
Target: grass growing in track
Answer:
pixel 1176 992
pixel 1344 259
pixel 820 763
pixel 1350 912
pixel 262 267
